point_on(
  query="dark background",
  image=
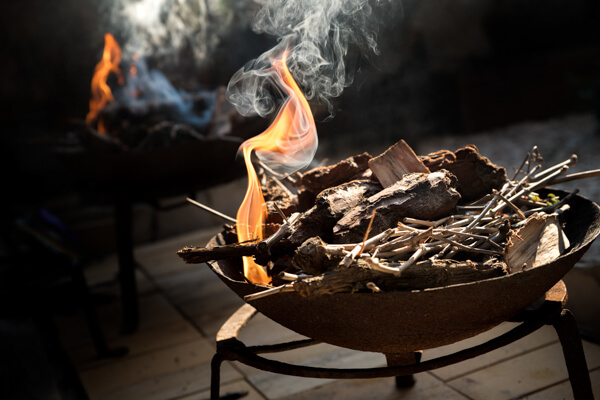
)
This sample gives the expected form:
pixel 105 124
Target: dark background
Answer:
pixel 445 68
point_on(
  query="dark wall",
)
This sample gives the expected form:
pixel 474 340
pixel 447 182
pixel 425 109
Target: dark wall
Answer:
pixel 448 67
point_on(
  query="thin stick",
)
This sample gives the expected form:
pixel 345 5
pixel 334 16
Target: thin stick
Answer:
pixel 422 250
pixel 409 220
pixel 358 249
pixel 545 181
pixel 373 287
pixel 288 287
pixel 472 236
pixel 578 175
pixel 367 233
pixel 522 182
pixel 467 248
pixel 570 162
pixel 484 212
pixel 286 276
pixel 521 166
pixel 280 212
pixel 276 176
pixel 215 212
pixel 513 207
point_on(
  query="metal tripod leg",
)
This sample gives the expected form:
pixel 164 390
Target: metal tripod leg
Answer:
pixel 568 333
pixel 395 360
pixel 215 376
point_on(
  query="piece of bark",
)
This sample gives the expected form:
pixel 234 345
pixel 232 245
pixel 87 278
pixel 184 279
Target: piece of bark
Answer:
pixel 422 196
pixel 395 162
pixel 331 205
pixel 539 241
pixel 476 175
pixel 422 275
pixel 320 178
pixel 306 199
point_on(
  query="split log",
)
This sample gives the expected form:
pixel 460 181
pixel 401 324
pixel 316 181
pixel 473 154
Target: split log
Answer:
pixel 539 241
pixel 423 196
pixel 331 205
pixel 395 162
pixel 423 275
pixel 476 175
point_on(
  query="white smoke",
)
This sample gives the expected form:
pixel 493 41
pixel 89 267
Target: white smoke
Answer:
pixel 163 27
pixel 323 37
pixel 150 86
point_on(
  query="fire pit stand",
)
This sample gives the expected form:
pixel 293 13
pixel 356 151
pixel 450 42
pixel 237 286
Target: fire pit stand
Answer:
pixel 548 310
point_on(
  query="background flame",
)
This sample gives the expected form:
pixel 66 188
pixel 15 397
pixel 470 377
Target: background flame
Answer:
pixel 101 93
pixel 291 139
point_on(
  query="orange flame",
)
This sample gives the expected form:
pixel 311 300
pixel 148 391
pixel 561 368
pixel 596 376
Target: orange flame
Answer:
pixel 101 93
pixel 291 133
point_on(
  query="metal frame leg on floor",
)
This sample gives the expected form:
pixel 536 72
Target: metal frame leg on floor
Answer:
pixel 570 340
pixel 551 311
pixel 89 311
pixel 127 282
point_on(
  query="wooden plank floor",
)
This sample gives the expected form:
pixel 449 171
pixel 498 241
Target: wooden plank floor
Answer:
pixel 183 306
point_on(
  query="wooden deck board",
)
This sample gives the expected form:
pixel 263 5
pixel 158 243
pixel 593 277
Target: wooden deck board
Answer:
pixel 540 338
pixel 119 374
pixel 427 387
pixel 522 375
pixel 563 389
pixel 240 387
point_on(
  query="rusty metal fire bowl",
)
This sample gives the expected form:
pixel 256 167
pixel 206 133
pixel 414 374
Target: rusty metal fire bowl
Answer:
pixel 406 321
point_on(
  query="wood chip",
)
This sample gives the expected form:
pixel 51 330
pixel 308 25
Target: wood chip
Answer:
pixel 395 162
pixel 539 241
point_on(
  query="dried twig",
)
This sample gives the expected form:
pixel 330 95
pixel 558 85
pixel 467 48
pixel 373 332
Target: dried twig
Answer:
pixel 215 212
pixel 278 289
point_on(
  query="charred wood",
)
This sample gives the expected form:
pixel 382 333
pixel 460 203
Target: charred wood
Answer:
pixel 331 205
pixel 424 196
pixel 426 274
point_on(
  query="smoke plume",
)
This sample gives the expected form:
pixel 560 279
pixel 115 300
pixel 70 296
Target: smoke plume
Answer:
pixel 162 27
pixel 323 37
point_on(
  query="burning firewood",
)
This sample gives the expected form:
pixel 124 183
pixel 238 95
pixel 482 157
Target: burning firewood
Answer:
pixel 417 232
